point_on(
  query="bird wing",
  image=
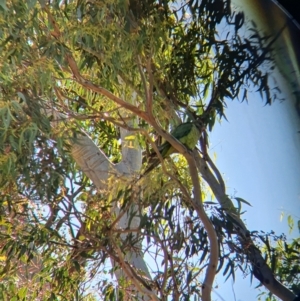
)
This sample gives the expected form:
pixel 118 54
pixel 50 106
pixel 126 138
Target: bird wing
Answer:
pixel 181 133
pixel 190 135
pixel 182 130
pixel 187 133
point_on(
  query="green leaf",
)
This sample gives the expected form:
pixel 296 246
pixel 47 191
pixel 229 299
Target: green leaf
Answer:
pixel 22 293
pixel 189 277
pixel 3 5
pixel 291 223
pixel 22 96
pixel 243 201
pixel 31 3
pixel 77 265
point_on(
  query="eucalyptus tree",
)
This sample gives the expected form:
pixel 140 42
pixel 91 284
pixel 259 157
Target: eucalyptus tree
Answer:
pixel 89 92
pixel 283 257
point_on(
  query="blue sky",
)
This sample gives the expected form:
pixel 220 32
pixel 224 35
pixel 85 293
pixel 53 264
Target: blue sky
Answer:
pixel 258 150
pixel 258 153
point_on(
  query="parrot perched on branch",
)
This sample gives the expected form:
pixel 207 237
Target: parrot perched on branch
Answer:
pixel 187 133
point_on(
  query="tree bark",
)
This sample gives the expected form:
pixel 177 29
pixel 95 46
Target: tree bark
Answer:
pixel 260 269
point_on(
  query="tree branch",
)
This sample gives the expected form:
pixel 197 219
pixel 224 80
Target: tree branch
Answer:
pixel 212 236
pixel 260 269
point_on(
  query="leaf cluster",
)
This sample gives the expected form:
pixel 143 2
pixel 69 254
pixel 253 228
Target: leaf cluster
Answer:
pixel 63 63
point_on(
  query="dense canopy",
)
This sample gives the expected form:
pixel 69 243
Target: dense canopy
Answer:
pixel 88 88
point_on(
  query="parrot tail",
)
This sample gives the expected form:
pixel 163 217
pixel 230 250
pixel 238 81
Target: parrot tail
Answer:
pixel 154 162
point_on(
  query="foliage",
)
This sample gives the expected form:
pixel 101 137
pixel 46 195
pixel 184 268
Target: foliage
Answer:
pixel 77 59
pixel 283 257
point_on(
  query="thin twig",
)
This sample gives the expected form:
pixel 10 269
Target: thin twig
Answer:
pixel 150 89
pixel 132 274
pixel 144 81
pixel 216 171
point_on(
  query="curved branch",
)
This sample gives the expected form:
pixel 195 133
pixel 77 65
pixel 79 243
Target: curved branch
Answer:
pixel 140 285
pixel 211 233
pixel 260 269
pixel 216 171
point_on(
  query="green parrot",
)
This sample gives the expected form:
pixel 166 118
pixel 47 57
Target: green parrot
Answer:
pixel 187 133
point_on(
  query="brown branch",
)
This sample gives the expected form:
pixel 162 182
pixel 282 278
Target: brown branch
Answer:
pixel 197 204
pixel 87 84
pixel 260 269
pixel 197 201
pixel 166 256
pixel 150 89
pixel 140 285
pixel 211 233
pixel 216 171
pixel 176 294
pixel 144 81
pixel 92 87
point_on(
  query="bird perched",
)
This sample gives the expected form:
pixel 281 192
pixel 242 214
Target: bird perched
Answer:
pixel 187 133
